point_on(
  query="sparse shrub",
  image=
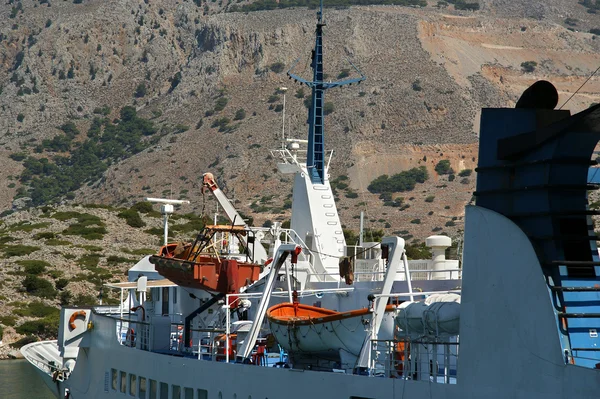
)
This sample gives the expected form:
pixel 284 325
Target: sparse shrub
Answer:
pixel 18 250
pixel 344 74
pixel 277 67
pixel 416 85
pixel 143 207
pixel 20 117
pixel 430 198
pixel 140 90
pixel 39 287
pixel 37 309
pixel 465 172
pixel 61 283
pixel 239 114
pixel 571 21
pixel 221 103
pixel 35 267
pixel 65 298
pixel 328 108
pixel 300 93
pixel 84 300
pixel 528 66
pixel 416 221
pixel 450 223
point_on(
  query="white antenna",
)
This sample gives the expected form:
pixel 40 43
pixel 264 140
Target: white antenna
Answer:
pixel 166 209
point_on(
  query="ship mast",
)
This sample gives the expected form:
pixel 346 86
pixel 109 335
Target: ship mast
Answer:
pixel 315 158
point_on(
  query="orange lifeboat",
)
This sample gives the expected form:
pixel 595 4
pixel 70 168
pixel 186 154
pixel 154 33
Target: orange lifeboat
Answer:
pixel 205 265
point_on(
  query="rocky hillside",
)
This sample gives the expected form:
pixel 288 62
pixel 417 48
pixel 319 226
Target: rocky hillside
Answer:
pixel 208 82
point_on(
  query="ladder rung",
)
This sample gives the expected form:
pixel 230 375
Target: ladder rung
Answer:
pixel 569 237
pixel 575 289
pixel 574 263
pixel 579 315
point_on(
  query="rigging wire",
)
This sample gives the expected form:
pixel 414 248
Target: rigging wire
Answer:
pixel 576 91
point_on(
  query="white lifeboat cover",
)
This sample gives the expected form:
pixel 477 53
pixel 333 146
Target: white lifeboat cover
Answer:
pixel 449 297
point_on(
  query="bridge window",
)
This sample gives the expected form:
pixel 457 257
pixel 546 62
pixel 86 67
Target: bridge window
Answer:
pixel 113 376
pixel 123 376
pixel 132 384
pixel 164 390
pixel 142 393
pixel 153 389
pixel 176 391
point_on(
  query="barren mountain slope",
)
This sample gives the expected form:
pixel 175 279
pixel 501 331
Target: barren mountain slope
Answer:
pixel 428 73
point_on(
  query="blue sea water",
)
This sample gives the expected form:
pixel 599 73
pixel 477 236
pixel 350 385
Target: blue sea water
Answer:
pixel 19 380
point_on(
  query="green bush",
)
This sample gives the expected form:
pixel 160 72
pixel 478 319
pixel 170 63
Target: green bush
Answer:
pixel 143 207
pixel 45 328
pixel 114 260
pixel 37 309
pixel 140 90
pixel 35 267
pixel 430 198
pixel 443 167
pixel 418 251
pixel 328 108
pixel 465 172
pixel 132 217
pixel 8 320
pixel 528 66
pixel 89 261
pixel 27 226
pixel 89 233
pixel 61 283
pixel 239 114
pixel 19 250
pixel 277 67
pixel 39 287
pixel 403 181
pixel 85 300
pixel 46 235
pixel 221 103
pixel 65 298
